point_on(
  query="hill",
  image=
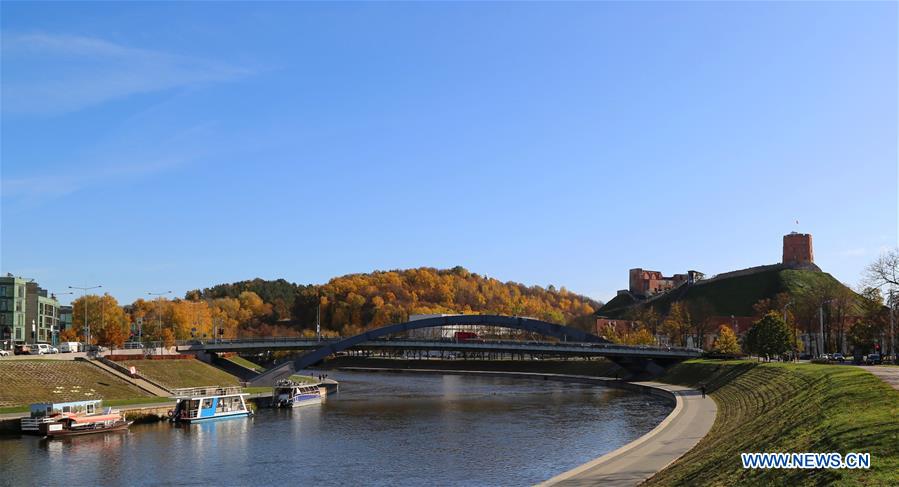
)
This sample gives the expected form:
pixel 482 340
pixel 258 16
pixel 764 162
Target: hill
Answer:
pixel 733 293
pixel 352 303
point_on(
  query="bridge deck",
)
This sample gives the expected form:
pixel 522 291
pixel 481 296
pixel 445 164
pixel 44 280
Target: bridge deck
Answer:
pixel 535 347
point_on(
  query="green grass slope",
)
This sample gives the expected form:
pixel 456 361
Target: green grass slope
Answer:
pixel 789 408
pixel 23 382
pixel 237 359
pixel 182 373
pixel 732 295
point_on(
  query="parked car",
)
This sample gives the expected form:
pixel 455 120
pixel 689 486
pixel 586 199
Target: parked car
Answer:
pixel 68 347
pixel 22 349
pixel 838 357
pixel 824 356
pixel 44 349
pixel 4 353
pixel 873 359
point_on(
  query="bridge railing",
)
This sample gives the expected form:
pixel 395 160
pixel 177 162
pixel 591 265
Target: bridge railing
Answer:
pixel 591 345
pixel 225 341
pixel 586 345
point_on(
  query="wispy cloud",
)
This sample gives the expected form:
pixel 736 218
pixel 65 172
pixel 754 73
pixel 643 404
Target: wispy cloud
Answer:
pixel 52 74
pixel 126 159
pixel 61 184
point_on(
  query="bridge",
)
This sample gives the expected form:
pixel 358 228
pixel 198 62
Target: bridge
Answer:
pixel 572 342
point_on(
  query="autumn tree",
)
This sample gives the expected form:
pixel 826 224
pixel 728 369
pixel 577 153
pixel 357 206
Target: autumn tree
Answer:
pixel 107 322
pixel 168 338
pixel 191 319
pixel 677 324
pixel 69 335
pixel 872 322
pixel 726 343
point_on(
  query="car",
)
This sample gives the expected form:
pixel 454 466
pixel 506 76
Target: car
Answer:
pixel 43 349
pixel 838 357
pixel 873 359
pixel 824 356
pixel 22 349
pixel 4 353
pixel 68 347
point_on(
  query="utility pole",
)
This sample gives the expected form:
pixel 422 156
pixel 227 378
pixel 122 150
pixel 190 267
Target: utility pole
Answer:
pixel 795 339
pixel 318 321
pixel 87 326
pixel 821 326
pixel 820 329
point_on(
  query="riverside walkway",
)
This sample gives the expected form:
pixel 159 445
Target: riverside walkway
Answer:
pixel 689 422
pixel 637 461
pixel 886 373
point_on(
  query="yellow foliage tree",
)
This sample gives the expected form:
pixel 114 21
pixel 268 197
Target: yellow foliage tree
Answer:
pixel 107 322
pixel 727 343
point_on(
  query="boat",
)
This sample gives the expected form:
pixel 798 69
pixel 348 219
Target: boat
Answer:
pixel 290 394
pixel 195 404
pixel 56 420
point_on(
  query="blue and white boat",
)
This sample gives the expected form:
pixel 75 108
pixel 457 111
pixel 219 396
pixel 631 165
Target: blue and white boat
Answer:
pixel 290 394
pixel 196 404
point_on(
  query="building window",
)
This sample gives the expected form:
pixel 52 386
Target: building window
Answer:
pixel 18 333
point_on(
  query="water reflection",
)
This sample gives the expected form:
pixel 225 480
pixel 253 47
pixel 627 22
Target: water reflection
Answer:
pixel 382 429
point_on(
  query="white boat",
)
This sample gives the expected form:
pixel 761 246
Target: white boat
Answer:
pixel 73 418
pixel 290 394
pixel 196 404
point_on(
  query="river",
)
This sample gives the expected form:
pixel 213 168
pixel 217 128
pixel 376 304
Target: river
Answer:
pixel 381 429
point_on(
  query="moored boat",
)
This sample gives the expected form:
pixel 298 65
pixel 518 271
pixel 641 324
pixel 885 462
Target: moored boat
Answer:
pixel 196 404
pixel 290 394
pixel 72 418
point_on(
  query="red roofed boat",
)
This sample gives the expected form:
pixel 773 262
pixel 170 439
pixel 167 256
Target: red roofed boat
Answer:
pixel 71 419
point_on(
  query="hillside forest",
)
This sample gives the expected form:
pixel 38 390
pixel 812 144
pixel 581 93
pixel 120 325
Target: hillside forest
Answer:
pixel 346 305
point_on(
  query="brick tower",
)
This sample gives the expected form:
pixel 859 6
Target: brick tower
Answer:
pixel 798 249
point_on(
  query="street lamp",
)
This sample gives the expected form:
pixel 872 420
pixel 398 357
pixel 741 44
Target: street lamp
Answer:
pixel 158 317
pixel 87 328
pixel 795 339
pixel 893 327
pixel 821 325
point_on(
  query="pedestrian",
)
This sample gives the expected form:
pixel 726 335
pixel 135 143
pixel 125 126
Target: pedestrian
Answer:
pixel 702 388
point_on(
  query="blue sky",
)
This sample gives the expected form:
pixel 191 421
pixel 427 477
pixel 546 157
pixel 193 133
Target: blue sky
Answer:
pixel 163 146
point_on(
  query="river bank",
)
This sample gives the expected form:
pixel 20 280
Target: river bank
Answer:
pixel 782 407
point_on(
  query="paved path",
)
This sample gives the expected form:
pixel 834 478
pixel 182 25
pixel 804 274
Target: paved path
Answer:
pixel 888 374
pixel 639 460
pixel 142 384
pixel 691 419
